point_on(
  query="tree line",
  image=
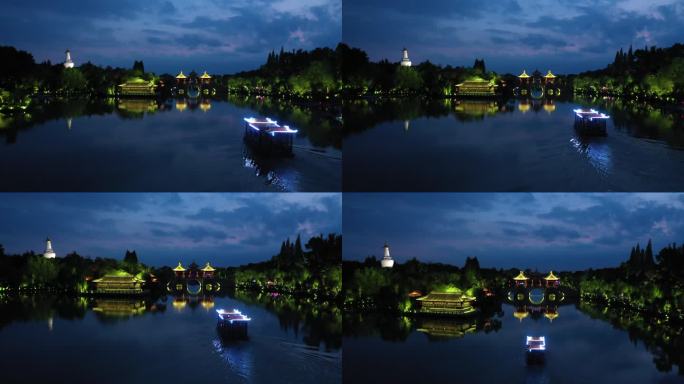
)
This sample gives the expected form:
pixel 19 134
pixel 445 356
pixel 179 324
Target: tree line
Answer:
pixel 311 269
pixel 650 73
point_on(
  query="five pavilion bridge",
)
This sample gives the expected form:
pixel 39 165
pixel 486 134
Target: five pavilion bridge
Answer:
pixel 535 290
pixel 194 280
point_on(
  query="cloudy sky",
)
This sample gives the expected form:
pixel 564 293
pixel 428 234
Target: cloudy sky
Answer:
pixel 515 230
pixel 563 35
pixel 224 229
pixel 221 36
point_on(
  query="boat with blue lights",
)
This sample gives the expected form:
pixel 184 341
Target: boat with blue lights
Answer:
pixel 590 122
pixel 232 324
pixel 535 348
pixel 267 136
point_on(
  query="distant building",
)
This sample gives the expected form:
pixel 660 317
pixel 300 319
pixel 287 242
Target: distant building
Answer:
pixel 552 281
pixel 521 280
pixel 537 85
pixel 405 61
pixel 205 79
pixel 181 79
pixel 446 303
pixel 120 283
pixel 49 253
pixel 137 87
pixel 203 278
pixel 476 88
pixel 68 63
pixel 387 261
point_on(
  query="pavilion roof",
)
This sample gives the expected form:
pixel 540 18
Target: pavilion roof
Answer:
pixel 550 75
pixel 523 75
pixel 551 276
pixel 179 268
pixel 205 75
pixel 443 296
pixel 181 76
pixel 118 277
pixel 208 268
pixel 521 276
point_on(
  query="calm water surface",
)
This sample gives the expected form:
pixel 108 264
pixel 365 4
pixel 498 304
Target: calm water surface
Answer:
pixel 177 145
pixel 472 145
pixel 580 350
pixel 131 341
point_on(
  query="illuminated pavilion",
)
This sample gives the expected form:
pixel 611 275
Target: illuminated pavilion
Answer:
pixel 521 280
pixel 119 283
pixel 545 83
pixel 203 276
pixel 446 303
pixel 205 79
pixel 137 87
pixel 181 79
pixel 476 88
pixel 551 280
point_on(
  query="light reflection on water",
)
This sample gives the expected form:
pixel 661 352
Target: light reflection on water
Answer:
pixel 596 151
pixel 175 337
pixel 515 145
pixel 580 349
pixel 173 145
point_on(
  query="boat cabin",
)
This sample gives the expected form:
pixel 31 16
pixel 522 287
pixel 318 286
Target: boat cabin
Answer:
pixel 268 136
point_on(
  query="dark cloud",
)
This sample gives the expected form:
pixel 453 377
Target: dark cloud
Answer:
pixel 558 231
pixel 223 37
pixel 226 229
pixel 570 36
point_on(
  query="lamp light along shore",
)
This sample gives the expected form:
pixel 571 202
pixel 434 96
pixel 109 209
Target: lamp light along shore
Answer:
pixel 387 261
pixel 49 252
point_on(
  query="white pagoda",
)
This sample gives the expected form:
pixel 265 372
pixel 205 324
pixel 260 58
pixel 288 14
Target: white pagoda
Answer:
pixel 68 63
pixel 405 61
pixel 49 253
pixel 387 261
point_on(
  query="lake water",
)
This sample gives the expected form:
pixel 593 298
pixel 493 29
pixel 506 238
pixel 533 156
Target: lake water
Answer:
pixel 474 145
pixel 43 339
pixel 580 349
pixel 176 145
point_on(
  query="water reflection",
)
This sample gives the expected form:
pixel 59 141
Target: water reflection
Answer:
pixel 237 355
pixel 596 151
pixel 177 144
pixel 290 339
pixel 509 145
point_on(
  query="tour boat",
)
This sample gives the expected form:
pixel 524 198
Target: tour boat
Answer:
pixel 590 121
pixel 267 135
pixel 232 323
pixel 535 348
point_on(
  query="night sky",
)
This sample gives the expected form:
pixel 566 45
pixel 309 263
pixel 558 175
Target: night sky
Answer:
pixel 220 36
pixel 515 230
pixel 224 229
pixel 563 35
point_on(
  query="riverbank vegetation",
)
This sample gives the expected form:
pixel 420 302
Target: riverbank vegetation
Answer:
pixel 307 75
pixel 368 287
pixel 312 269
pixel 647 282
pixel 653 74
